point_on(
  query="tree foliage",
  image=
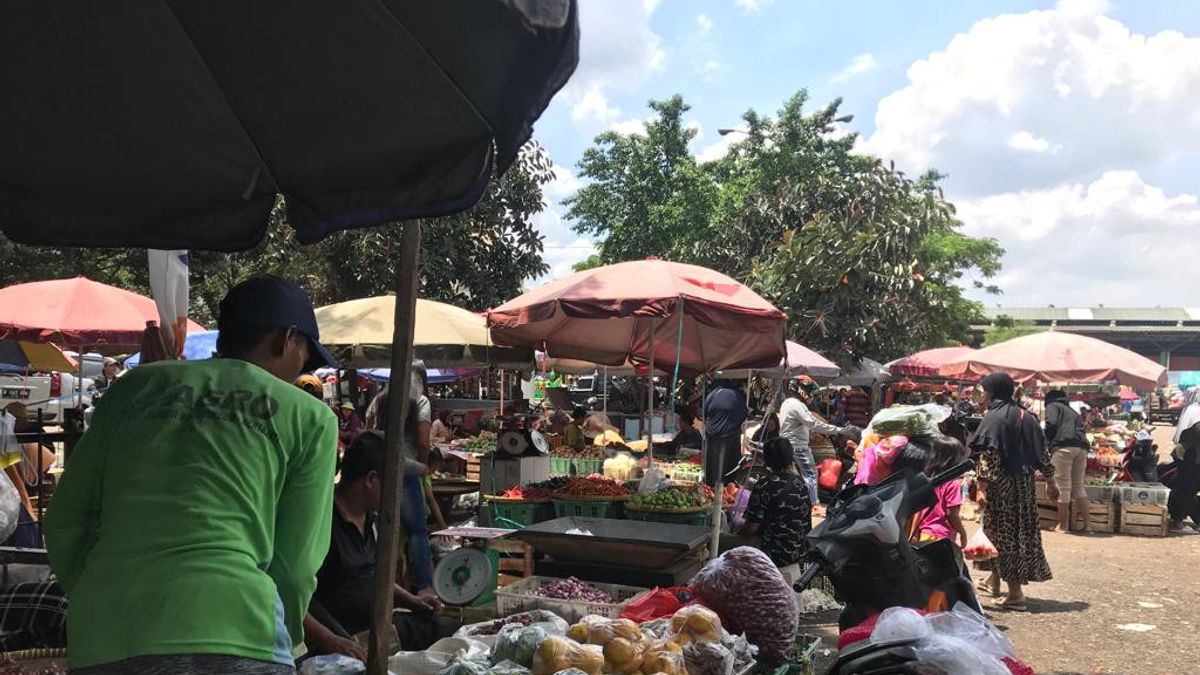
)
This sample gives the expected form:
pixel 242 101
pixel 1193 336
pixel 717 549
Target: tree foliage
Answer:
pixel 865 260
pixel 1005 328
pixel 475 259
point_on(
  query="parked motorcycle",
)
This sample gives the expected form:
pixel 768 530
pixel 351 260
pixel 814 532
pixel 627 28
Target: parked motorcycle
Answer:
pixel 863 547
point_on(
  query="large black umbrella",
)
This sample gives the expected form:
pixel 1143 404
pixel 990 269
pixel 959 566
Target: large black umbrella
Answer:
pixel 176 123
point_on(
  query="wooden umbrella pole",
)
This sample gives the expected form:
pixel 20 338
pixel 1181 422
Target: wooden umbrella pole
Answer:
pixel 388 522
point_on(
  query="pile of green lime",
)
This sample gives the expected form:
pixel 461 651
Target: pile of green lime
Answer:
pixel 668 498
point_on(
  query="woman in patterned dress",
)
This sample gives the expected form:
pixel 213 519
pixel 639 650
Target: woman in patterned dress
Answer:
pixel 1009 447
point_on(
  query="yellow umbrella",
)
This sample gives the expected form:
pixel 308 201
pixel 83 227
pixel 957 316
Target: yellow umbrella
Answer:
pixel 359 332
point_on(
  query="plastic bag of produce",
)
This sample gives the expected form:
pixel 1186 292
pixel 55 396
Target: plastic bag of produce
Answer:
pixel 440 654
pixel 708 658
pixel 518 646
pixel 664 657
pixel 332 664
pixel 598 630
pixel 979 547
pixel 558 653
pixel 911 420
pixel 465 668
pixel 488 632
pixel 695 623
pixel 508 668
pixel 746 589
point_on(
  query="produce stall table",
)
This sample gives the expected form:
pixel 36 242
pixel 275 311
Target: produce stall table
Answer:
pixel 620 543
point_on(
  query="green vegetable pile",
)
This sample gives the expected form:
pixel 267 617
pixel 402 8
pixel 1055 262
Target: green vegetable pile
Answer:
pixel 913 423
pixel 484 442
pixel 553 484
pixel 667 498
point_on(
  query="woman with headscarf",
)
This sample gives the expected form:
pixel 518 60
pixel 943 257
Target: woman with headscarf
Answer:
pixel 1010 447
pixel 1182 502
pixel 1068 443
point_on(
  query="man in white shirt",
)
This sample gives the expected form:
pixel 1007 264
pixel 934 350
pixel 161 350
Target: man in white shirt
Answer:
pixel 797 424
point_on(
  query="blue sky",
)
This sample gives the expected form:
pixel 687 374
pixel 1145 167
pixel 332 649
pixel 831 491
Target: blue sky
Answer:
pixel 1070 130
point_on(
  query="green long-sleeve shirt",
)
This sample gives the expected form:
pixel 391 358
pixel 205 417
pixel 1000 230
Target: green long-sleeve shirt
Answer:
pixel 193 515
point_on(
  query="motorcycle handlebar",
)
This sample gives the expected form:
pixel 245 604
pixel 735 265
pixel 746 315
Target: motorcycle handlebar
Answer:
pixel 952 473
pixel 805 579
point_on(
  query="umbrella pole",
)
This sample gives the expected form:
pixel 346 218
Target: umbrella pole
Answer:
pixel 718 501
pixel 605 393
pixel 650 411
pixel 388 523
pixel 502 392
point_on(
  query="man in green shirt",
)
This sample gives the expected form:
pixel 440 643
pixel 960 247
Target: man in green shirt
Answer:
pixel 193 515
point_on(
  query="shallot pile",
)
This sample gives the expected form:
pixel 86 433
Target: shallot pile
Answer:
pixel 573 589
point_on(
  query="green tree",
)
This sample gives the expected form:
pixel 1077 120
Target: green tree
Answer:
pixel 1005 328
pixel 865 260
pixel 646 193
pixel 475 259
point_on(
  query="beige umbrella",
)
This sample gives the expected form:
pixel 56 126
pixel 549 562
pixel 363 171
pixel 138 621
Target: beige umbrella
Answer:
pixel 359 333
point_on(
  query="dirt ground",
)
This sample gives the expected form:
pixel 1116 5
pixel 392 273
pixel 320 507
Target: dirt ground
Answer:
pixel 1117 605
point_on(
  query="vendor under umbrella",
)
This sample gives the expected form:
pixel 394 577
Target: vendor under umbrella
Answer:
pixel 345 583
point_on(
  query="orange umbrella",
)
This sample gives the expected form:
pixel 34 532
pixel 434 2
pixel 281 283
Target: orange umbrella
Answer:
pixel 648 311
pixel 1054 356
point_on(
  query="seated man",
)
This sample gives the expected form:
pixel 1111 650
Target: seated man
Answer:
pixel 346 580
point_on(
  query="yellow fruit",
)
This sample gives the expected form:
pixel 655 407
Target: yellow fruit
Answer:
pixel 578 632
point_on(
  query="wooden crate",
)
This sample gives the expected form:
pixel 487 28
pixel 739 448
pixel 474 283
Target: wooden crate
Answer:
pixel 1102 516
pixel 472 467
pixel 1144 520
pixel 516 560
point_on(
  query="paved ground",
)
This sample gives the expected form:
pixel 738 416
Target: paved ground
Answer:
pixel 1117 605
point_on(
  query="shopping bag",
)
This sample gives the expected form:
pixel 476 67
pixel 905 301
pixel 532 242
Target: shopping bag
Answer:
pixel 658 603
pixel 979 547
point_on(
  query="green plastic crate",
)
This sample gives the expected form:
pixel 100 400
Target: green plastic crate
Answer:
pixel 561 466
pixel 564 508
pixel 703 518
pixel 523 513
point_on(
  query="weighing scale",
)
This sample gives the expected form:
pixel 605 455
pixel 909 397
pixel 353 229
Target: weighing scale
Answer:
pixel 467 576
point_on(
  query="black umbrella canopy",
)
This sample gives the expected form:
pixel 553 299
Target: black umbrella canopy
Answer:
pixel 173 124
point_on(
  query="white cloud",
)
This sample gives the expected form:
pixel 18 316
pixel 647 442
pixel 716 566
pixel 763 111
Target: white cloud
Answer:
pixel 718 148
pixel 704 23
pixel 709 68
pixel 751 5
pixel 863 63
pixel 1116 240
pixel 1023 140
pixel 1101 96
pixel 631 126
pixel 618 51
pixel 563 185
pixel 593 106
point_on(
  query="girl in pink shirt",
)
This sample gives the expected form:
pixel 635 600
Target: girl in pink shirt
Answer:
pixel 943 520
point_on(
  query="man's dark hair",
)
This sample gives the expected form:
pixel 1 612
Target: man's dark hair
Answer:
pixel 364 455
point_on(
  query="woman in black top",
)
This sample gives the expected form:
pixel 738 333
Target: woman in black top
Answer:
pixel 779 511
pixel 1069 446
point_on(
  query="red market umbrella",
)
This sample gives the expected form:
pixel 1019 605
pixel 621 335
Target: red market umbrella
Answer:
pixel 929 362
pixel 1053 357
pixel 76 312
pixel 645 312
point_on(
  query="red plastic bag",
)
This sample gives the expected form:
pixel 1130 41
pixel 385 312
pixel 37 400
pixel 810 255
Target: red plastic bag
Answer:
pixel 828 473
pixel 658 603
pixel 979 547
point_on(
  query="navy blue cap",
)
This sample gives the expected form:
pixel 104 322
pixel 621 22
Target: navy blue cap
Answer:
pixel 267 302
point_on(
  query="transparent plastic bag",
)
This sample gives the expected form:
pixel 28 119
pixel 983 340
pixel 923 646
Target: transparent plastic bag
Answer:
pixel 979 547
pixel 748 592
pixel 900 623
pixel 911 420
pixel 963 622
pixel 955 655
pixel 332 664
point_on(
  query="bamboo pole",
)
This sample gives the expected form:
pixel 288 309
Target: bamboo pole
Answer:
pixel 388 522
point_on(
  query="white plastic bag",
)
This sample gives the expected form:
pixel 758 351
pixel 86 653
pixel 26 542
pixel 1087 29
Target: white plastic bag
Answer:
pixel 900 623
pixel 488 632
pixel 332 664
pixel 651 481
pixel 953 655
pixel 438 656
